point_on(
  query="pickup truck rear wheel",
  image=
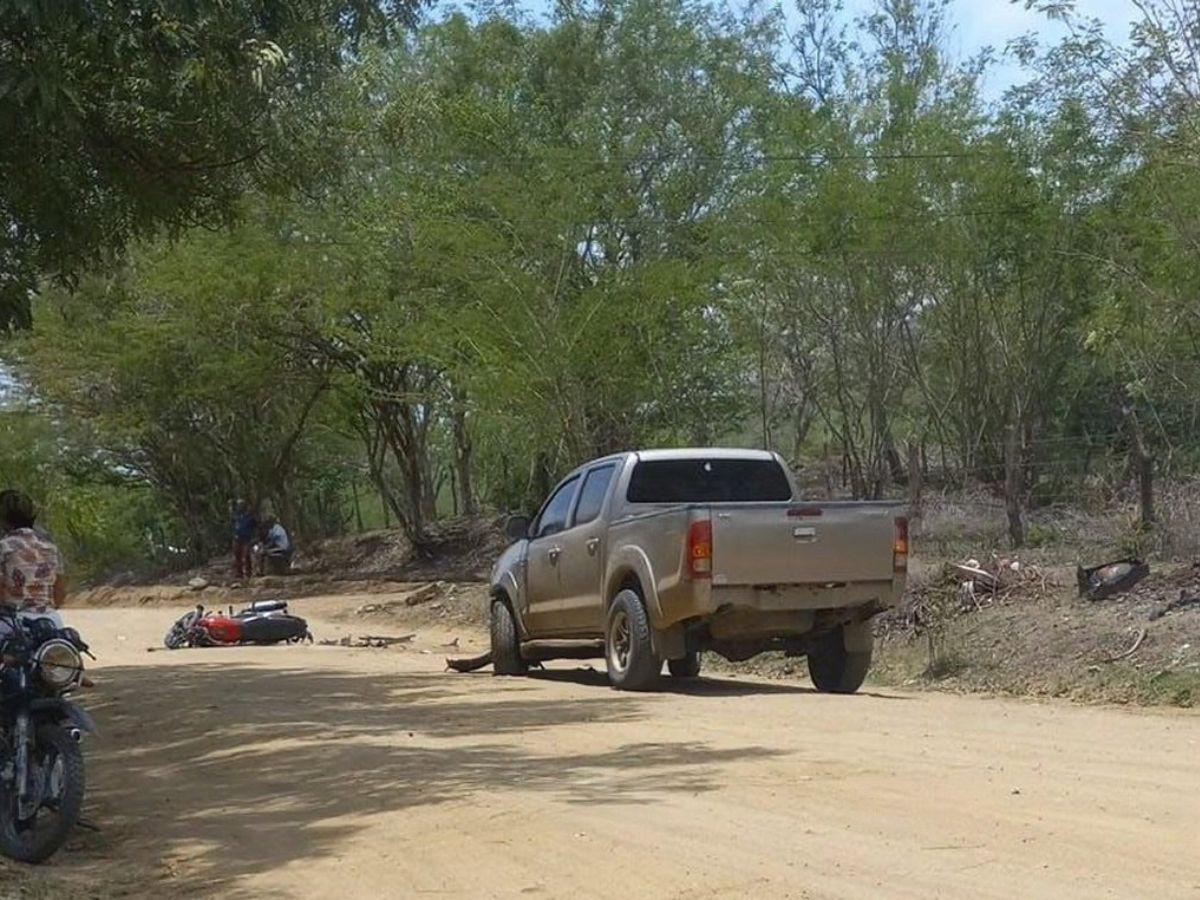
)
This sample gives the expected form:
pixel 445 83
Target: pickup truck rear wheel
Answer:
pixel 833 668
pixel 628 651
pixel 506 645
pixel 688 667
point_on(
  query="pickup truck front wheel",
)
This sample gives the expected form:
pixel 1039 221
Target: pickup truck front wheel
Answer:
pixel 632 665
pixel 833 668
pixel 506 645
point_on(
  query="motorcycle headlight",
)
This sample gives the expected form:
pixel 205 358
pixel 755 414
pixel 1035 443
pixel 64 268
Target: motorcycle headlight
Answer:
pixel 58 665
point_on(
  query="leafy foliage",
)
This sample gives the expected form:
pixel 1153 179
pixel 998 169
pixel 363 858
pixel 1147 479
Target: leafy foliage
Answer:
pixel 632 223
pixel 122 118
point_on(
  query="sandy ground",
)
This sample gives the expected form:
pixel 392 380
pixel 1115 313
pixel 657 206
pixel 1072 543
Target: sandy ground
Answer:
pixel 333 772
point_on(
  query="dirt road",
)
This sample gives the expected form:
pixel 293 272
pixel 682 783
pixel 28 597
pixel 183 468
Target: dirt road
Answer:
pixel 329 772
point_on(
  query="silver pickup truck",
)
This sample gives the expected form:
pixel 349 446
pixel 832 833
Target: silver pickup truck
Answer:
pixel 665 554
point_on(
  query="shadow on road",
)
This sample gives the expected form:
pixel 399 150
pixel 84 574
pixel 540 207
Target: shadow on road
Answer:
pixel 704 686
pixel 212 771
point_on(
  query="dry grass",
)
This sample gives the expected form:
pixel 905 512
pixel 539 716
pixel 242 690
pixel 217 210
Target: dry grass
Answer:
pixel 1178 533
pixel 972 524
pixel 1041 639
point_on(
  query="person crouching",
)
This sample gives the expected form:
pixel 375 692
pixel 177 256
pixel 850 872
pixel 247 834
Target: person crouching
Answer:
pixel 275 556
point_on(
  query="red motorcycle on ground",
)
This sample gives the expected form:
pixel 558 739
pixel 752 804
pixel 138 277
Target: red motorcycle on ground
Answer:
pixel 264 622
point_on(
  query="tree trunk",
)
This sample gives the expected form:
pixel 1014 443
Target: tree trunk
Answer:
pixel 1014 487
pixel 1143 465
pixel 827 467
pixel 1146 477
pixel 414 489
pixel 915 480
pixel 376 460
pixel 358 520
pixel 764 410
pixel 541 479
pixel 463 454
pixel 891 456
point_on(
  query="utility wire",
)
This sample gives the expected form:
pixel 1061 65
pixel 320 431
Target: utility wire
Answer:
pixel 751 159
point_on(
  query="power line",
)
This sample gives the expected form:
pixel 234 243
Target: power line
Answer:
pixel 601 220
pixel 749 159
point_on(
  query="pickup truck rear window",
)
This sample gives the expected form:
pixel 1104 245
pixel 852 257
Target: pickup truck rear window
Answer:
pixel 708 481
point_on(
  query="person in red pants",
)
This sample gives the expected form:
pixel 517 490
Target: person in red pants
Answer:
pixel 245 525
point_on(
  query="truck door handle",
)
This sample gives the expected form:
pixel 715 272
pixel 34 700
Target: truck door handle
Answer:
pixel 554 553
pixel 592 545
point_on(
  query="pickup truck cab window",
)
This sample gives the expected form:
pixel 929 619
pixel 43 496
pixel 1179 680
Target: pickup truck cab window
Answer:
pixel 554 514
pixel 716 480
pixel 591 495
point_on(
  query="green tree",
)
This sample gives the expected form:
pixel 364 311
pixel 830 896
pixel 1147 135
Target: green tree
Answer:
pixel 123 118
pixel 175 364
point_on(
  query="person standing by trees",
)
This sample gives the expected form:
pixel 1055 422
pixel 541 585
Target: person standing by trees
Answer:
pixel 245 524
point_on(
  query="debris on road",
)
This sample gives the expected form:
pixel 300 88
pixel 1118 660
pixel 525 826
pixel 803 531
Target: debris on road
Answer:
pixel 379 640
pixel 1110 578
pixel 425 594
pixel 966 588
pixel 975 583
pixel 470 664
pixel 1137 642
pixel 376 641
pixel 1181 602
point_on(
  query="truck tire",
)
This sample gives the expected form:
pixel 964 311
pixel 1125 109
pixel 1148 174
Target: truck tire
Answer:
pixel 688 667
pixel 506 645
pixel 628 650
pixel 834 669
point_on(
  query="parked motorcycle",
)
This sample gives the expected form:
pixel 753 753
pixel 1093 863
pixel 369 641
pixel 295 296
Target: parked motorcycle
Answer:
pixel 264 622
pixel 41 762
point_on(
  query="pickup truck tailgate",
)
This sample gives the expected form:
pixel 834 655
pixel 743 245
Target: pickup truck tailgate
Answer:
pixel 802 543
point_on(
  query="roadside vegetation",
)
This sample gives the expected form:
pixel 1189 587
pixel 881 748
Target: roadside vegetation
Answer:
pixel 409 264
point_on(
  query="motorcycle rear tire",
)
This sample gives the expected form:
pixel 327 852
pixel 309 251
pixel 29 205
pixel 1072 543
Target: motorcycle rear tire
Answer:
pixel 273 629
pixel 41 846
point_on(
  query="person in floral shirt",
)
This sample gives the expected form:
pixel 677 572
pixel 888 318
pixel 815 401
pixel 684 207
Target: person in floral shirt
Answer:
pixel 31 568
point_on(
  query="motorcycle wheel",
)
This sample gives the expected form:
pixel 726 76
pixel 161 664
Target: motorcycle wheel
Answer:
pixel 199 637
pixel 58 761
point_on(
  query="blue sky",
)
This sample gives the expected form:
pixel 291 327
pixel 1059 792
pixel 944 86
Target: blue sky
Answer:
pixel 985 22
pixel 995 22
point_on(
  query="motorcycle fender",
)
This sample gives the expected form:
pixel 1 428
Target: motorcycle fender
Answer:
pixel 72 712
pixel 80 719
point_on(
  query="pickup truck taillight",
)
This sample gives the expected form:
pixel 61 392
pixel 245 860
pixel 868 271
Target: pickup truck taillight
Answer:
pixel 900 545
pixel 699 547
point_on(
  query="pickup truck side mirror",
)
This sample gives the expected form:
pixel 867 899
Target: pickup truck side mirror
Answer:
pixel 517 528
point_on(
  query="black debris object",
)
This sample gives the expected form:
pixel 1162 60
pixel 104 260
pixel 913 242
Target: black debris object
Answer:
pixel 1110 578
pixel 1181 602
